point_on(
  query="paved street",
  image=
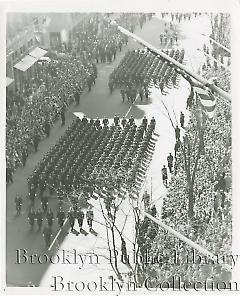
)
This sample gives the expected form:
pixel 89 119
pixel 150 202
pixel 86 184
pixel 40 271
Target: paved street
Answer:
pixel 99 103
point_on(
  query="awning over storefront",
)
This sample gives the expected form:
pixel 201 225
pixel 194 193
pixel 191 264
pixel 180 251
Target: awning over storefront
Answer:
pixel 25 63
pixel 38 52
pixel 9 81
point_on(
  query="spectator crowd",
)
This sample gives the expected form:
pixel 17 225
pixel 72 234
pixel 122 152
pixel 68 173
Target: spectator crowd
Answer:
pixel 33 109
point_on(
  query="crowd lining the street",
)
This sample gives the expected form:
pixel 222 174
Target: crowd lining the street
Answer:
pixel 33 109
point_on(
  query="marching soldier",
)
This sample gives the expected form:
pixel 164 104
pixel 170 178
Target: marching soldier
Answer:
pixel 71 219
pixel 80 217
pixel 31 218
pixel 32 194
pixel 44 203
pixel 49 217
pixel 47 233
pixel 39 217
pixel 61 217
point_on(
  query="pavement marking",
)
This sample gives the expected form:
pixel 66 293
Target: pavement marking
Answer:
pixel 57 235
pixel 130 108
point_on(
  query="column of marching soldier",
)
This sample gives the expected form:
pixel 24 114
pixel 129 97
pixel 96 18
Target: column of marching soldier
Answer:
pixel 139 70
pixel 81 161
pixel 94 41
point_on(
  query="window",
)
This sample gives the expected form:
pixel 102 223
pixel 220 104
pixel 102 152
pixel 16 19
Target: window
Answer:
pixel 22 49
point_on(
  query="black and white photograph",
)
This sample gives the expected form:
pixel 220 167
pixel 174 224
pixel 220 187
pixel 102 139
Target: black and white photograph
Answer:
pixel 118 172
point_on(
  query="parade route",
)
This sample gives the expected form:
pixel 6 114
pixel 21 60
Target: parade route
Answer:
pixel 100 103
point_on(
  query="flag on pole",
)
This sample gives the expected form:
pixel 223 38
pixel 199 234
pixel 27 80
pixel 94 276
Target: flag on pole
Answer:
pixel 207 101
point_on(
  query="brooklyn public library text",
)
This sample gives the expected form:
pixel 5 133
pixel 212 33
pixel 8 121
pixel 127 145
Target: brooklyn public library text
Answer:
pixel 74 257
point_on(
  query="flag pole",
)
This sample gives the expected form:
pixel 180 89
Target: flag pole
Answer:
pixel 202 80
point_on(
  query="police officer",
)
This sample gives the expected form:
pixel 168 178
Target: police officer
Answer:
pixel 164 175
pixel 18 203
pixel 170 162
pixel 89 216
pixel 177 133
pixel 182 120
pixel 49 217
pixel 61 217
pixel 39 217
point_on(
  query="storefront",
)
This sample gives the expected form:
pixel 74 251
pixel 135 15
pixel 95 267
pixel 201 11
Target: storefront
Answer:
pixel 24 70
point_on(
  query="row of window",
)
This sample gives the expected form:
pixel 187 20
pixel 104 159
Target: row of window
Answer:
pixel 22 50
